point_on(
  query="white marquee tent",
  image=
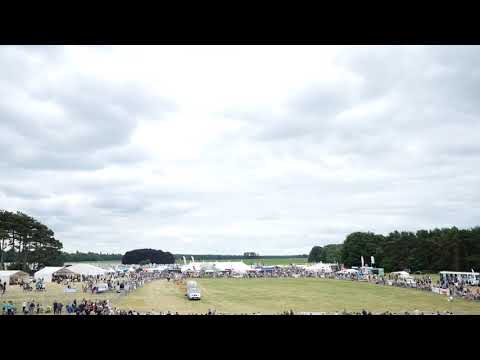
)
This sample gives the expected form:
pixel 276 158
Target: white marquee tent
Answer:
pixel 12 276
pixel 234 266
pixel 217 266
pixel 348 271
pixel 319 267
pixel 402 274
pixel 81 269
pixel 46 273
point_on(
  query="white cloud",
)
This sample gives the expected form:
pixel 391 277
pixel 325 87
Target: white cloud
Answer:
pixel 226 149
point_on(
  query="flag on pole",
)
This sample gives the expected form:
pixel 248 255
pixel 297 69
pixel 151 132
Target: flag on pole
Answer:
pixel 361 258
pixel 372 260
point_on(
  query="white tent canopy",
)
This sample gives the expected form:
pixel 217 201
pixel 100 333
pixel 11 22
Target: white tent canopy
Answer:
pixel 402 274
pixel 348 271
pixel 83 269
pixel 218 266
pixel 7 276
pixel 46 273
pixel 191 267
pixel 234 266
pixel 318 267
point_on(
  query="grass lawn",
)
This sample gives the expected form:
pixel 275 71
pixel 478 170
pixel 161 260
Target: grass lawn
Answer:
pixel 54 292
pixel 269 296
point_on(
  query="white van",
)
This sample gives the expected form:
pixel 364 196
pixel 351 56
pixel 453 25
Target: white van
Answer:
pixel 101 288
pixel 193 291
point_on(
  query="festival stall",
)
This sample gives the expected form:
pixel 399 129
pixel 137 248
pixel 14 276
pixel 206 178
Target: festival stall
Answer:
pixel 12 277
pixel 320 267
pixel 78 270
pixel 46 273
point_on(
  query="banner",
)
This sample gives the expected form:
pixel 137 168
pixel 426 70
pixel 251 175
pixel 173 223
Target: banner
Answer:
pixel 361 258
pixel 372 259
pixel 440 291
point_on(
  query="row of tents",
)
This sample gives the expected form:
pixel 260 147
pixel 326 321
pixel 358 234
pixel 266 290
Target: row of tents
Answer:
pixel 47 273
pixel 240 267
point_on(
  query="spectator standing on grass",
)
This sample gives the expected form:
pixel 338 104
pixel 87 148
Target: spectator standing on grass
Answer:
pixel 32 307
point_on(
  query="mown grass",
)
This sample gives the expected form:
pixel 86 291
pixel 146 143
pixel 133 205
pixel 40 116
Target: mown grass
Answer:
pixel 269 296
pixel 54 292
pixel 266 296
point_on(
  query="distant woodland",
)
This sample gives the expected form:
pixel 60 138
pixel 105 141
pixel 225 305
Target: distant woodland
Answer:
pixel 425 250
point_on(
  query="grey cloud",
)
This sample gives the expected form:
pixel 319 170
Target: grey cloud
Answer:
pixel 392 145
pixel 92 121
pixel 124 204
pixel 19 192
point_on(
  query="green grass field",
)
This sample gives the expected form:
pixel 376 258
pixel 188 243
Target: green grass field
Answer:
pixel 270 296
pixel 54 292
pixel 265 296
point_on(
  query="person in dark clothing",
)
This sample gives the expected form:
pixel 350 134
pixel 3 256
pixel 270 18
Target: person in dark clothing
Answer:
pixel 32 307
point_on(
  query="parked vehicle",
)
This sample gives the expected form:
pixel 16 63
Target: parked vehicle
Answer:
pixel 193 291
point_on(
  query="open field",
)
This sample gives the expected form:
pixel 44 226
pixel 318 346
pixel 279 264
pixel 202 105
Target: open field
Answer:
pixel 266 296
pixel 269 296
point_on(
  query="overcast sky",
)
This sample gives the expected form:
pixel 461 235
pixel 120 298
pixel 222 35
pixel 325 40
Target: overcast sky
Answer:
pixel 227 149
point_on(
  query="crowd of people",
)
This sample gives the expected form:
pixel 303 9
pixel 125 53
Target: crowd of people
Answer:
pixel 125 282
pixel 120 282
pixel 456 288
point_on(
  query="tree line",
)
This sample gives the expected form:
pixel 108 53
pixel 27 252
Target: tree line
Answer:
pixel 424 250
pixel 89 256
pixel 27 243
pixel 328 254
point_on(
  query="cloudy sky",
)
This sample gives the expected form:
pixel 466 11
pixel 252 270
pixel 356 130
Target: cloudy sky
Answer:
pixel 226 149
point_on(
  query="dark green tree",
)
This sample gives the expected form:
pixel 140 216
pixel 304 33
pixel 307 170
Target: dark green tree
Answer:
pixel 315 254
pixel 364 244
pixel 150 255
pixel 27 243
